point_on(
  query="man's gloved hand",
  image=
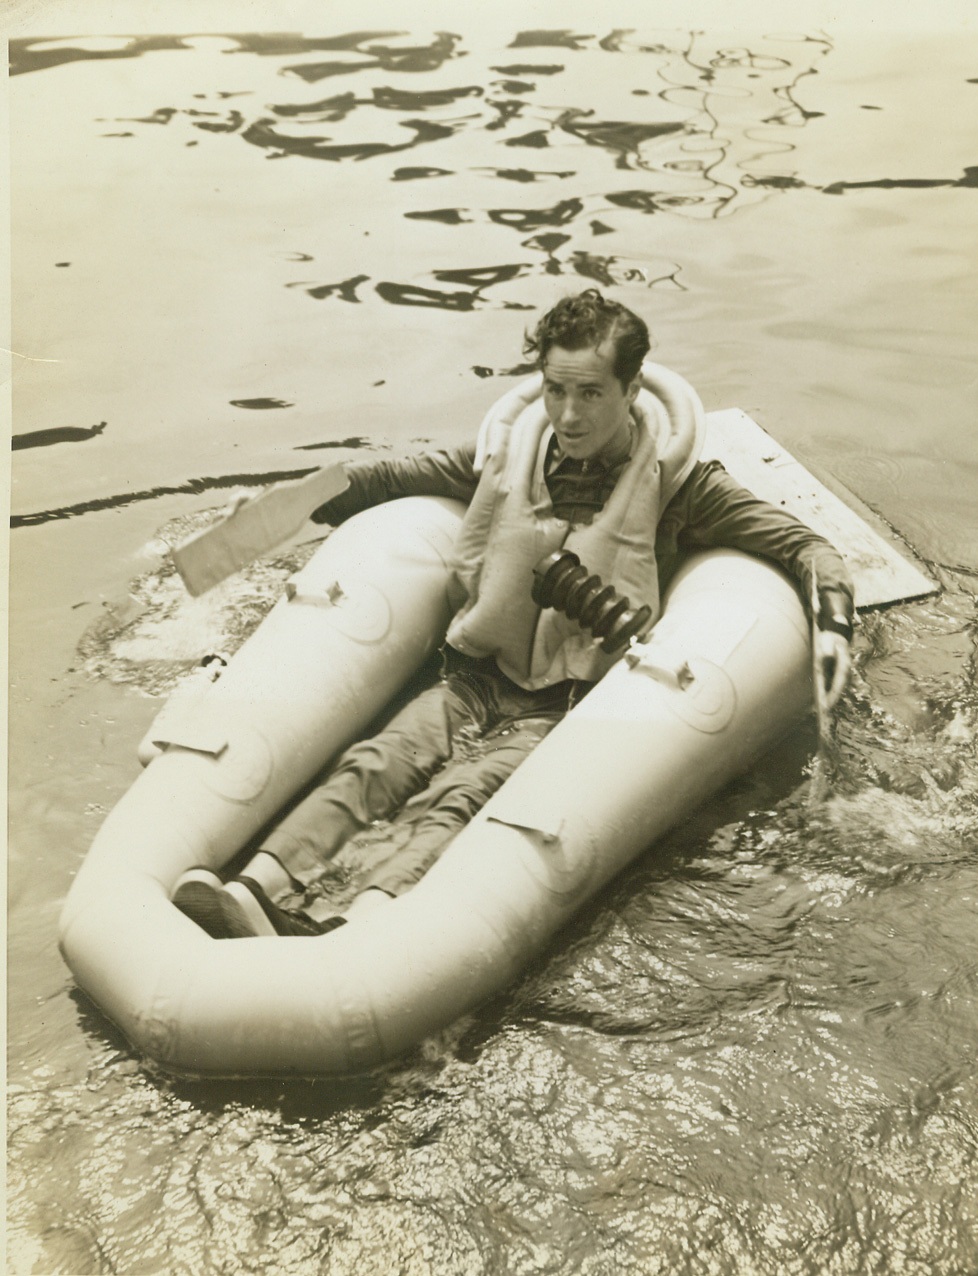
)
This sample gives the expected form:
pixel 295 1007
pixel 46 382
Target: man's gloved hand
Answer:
pixel 833 660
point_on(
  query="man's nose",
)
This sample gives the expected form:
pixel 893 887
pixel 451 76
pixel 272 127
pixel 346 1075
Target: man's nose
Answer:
pixel 569 413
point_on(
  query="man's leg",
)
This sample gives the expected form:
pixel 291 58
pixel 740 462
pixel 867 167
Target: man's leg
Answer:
pixel 370 781
pixel 519 720
pixel 460 790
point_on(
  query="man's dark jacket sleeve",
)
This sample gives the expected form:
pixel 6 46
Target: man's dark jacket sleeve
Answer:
pixel 448 473
pixel 712 510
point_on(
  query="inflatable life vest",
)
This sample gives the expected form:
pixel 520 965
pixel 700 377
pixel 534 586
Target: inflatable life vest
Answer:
pixel 510 526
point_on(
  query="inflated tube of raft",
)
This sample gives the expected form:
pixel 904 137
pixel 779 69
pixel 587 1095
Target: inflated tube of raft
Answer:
pixel 355 623
pixel 722 675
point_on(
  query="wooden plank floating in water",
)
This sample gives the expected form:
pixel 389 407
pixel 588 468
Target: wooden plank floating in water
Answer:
pixel 882 573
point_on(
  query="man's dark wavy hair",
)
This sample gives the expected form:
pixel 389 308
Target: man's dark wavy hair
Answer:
pixel 584 322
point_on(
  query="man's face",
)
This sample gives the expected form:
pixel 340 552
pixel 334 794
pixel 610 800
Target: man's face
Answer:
pixel 584 400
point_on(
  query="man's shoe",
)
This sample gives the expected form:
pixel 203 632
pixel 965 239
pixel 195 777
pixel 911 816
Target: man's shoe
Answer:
pixel 239 909
pixel 253 913
pixel 198 894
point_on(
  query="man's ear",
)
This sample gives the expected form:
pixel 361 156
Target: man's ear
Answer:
pixel 631 394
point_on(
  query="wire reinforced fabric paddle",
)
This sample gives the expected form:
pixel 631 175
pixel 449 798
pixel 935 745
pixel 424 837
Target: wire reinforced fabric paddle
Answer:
pixel 254 527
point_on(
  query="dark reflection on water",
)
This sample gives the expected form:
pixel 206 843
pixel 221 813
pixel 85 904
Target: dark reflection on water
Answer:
pixel 415 174
pixel 641 201
pixel 57 434
pixel 515 86
pixel 968 179
pixel 354 441
pixel 620 138
pixel 481 277
pixel 230 125
pixel 506 108
pixel 259 404
pixel 327 110
pixel 402 100
pixel 415 295
pixel 282 45
pixel 608 269
pixel 346 289
pixel 422 57
pixel 524 219
pixel 526 175
pixel 529 68
pixel 549 40
pixel 262 134
pixel 548 243
pixel 448 216
pixel 122 499
pixel 537 140
pixel 163 115
pixel 31 55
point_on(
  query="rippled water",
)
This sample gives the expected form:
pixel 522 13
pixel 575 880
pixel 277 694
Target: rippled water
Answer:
pixel 755 1052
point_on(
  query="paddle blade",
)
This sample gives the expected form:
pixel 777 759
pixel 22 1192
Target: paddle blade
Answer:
pixel 255 527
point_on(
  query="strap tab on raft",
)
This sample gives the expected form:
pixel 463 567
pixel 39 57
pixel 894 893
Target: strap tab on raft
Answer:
pixel 190 734
pixel 235 759
pixel 563 864
pixel 328 597
pixel 669 668
pixel 697 690
pixel 358 609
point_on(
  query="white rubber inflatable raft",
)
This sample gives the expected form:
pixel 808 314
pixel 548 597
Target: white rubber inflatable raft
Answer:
pixel 725 672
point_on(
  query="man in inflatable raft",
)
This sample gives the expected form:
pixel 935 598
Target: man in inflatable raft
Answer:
pixel 604 463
